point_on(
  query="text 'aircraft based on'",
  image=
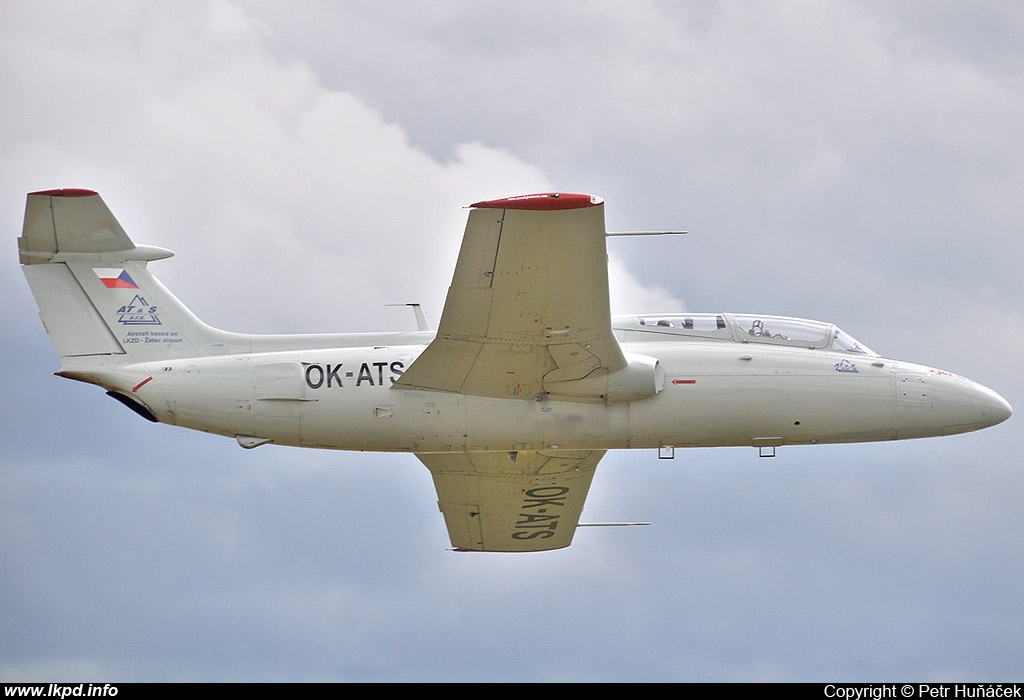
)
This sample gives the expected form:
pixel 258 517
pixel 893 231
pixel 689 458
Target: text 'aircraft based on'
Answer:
pixel 516 397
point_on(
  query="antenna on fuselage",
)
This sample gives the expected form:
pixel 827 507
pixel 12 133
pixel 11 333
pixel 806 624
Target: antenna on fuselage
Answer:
pixel 421 319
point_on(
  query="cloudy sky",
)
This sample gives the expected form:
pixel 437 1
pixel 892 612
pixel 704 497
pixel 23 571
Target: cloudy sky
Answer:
pixel 857 162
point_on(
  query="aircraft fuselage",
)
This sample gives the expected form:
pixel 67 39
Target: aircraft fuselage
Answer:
pixel 714 393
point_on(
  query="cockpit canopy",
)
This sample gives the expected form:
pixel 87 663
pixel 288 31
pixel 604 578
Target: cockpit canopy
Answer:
pixel 747 328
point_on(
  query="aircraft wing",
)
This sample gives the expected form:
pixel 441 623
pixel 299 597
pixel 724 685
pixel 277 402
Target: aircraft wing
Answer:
pixel 524 501
pixel 528 304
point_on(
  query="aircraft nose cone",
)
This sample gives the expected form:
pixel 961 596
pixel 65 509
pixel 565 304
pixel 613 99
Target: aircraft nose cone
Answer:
pixel 999 408
pixel 976 407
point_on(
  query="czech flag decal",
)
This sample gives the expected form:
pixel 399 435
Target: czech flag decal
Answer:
pixel 115 278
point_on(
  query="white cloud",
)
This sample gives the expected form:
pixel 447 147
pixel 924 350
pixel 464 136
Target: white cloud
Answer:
pixel 292 206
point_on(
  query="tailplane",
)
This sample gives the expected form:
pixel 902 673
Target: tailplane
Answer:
pixel 97 300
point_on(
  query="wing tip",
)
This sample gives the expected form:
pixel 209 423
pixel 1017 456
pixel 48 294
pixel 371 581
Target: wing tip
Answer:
pixel 542 201
pixel 66 192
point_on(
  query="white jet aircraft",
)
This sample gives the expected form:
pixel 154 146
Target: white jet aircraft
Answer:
pixel 511 404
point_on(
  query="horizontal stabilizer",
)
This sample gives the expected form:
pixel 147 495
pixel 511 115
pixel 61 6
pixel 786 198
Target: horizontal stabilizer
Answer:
pixel 76 222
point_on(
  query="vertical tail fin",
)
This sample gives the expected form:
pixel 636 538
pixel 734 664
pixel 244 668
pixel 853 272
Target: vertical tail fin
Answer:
pixel 96 298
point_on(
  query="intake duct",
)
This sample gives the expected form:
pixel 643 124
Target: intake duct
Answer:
pixel 642 377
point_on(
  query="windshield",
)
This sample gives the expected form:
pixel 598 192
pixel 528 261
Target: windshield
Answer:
pixel 847 343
